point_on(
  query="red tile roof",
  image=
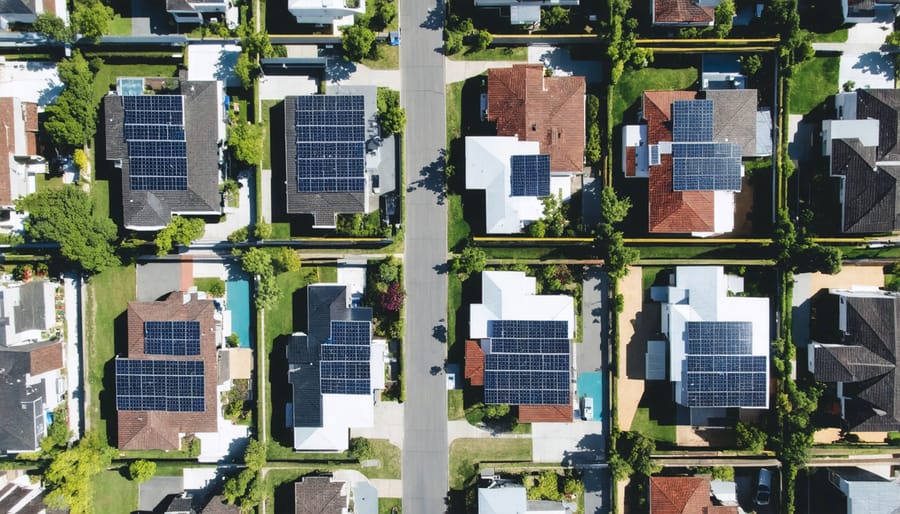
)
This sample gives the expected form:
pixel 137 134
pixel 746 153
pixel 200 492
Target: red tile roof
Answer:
pixel 683 495
pixel 545 413
pixel 474 363
pixel 159 430
pixel 46 358
pixel 549 110
pixel 630 161
pixel 31 127
pixel 682 12
pixel 672 211
pixel 7 146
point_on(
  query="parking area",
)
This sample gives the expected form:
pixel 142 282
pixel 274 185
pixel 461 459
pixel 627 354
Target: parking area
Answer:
pixel 581 442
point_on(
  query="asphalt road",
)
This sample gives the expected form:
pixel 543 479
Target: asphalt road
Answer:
pixel 425 459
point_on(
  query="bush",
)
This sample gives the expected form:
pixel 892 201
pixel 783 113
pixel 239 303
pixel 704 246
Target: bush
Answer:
pixel 893 438
pixel 238 236
pixel 750 437
pixel 361 449
pixel 357 41
pixel 286 260
pixel 262 230
pixel 233 340
pixel 141 470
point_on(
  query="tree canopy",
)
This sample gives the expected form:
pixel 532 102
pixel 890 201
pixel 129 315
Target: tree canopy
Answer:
pixel 69 475
pixel 52 26
pixel 357 41
pixel 91 18
pixel 246 141
pixel 390 114
pixel 66 216
pixel 71 120
pixel 181 231
pixel 141 470
pixel 471 260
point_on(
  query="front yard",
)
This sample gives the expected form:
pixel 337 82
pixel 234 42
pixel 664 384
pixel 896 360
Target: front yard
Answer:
pixel 813 82
pixel 466 454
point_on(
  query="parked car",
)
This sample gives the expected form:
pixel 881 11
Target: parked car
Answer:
pixel 763 487
pixel 587 407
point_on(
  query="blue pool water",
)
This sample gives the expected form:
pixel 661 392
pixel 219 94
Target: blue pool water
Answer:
pixel 238 297
pixel 591 384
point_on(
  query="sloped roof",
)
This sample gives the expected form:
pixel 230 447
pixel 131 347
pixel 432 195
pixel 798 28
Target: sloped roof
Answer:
pixel 159 430
pixel 734 115
pixel 17 6
pixel 545 413
pixel 474 363
pixel 682 12
pixel 46 357
pixel 549 110
pixel 217 505
pixel 20 404
pixel 871 195
pixel 318 495
pixel 504 499
pixel 883 105
pixel 683 495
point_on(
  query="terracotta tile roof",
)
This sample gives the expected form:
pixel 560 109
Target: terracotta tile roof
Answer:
pixel 7 146
pixel 545 413
pixel 160 430
pixel 46 358
pixel 682 12
pixel 549 110
pixel 31 127
pixel 721 509
pixel 672 211
pixel 474 363
pixel 318 495
pixel 679 495
pixel 630 161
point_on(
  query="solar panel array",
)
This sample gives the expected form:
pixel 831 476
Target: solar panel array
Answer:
pixel 706 167
pixel 530 175
pixel 720 369
pixel 330 143
pixel 527 363
pixel 160 385
pixel 172 337
pixel 157 148
pixel 692 120
pixel 344 367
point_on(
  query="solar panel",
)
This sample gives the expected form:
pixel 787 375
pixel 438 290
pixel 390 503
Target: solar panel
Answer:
pixel 157 147
pixel 654 155
pixel 706 167
pixel 330 143
pixel 345 362
pixel 160 385
pixel 719 367
pixel 529 175
pixel 527 363
pixel 692 120
pixel 172 337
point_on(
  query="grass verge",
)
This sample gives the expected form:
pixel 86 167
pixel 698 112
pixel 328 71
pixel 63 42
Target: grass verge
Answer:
pixel 388 58
pixel 454 110
pixel 267 145
pixel 455 405
pixel 458 229
pixel 499 53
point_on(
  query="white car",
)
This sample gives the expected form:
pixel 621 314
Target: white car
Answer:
pixel 587 407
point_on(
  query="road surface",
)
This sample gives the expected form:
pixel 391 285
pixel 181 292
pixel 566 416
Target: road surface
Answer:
pixel 425 459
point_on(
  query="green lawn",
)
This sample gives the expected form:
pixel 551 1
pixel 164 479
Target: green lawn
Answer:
pixel 504 53
pixel 119 26
pixel 389 455
pixel 454 110
pixel 106 76
pixel 838 36
pixel 458 229
pixel 108 297
pixel 465 454
pixel 634 82
pixel 454 302
pixel 114 493
pixel 388 58
pixel 207 283
pixel 100 195
pixel 45 182
pixel 813 81
pixel 455 405
pixel 281 231
pixel 643 424
pixel 267 146
pixel 385 505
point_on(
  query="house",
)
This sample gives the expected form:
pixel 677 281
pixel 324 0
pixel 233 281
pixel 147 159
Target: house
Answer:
pixel 515 329
pixel 32 384
pixel 862 360
pixel 195 11
pixel 863 150
pixel 320 495
pixel 26 11
pixel 338 13
pixel 217 505
pixel 181 504
pixel 550 110
pixel 334 370
pixel 523 13
pixel 866 492
pixel 166 384
pixel 331 151
pixel 868 11
pixel 19 159
pixel 515 177
pixel 718 343
pixel 167 146
pixel 690 147
pixel 507 497
pixel 684 495
pixel 684 13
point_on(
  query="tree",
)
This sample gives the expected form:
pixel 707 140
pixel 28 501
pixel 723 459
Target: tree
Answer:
pixel 893 38
pixel 496 411
pixel 724 17
pixel 58 432
pixel 554 18
pixel 391 116
pixel 267 292
pixel 388 271
pixel 392 299
pixel 618 467
pixel 236 487
pixel 613 210
pixel 361 449
pixel 246 141
pixel 554 214
pixel 66 216
pixel 71 120
pixel 244 69
pixel 611 242
pixel 238 236
pixel 750 437
pixel 286 260
pixel 181 231
pixel 750 64
pixel 592 149
pixel 545 487
pixel 256 261
pixel 813 257
pixel 537 229
pixel 357 41
pixel 233 340
pixel 255 455
pixel 483 39
pixel 471 260
pixel 91 18
pixel 454 43
pixel 385 13
pixel 637 450
pixel 262 230
pixel 141 470
pixel 69 476
pixel 81 160
pixel 52 26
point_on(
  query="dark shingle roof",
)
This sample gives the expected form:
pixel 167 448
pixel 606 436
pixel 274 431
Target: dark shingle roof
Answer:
pixel 17 6
pixel 20 404
pixel 29 314
pixel 155 208
pixel 871 194
pixel 318 495
pixel 883 105
pixel 734 117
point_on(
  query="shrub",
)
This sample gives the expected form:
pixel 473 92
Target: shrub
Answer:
pixel 233 340
pixel 141 470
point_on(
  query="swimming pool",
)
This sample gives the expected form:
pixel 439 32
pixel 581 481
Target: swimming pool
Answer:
pixel 238 297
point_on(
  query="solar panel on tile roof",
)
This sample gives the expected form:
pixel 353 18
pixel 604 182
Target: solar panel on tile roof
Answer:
pixel 330 142
pixel 706 167
pixel 157 149
pixel 529 175
pixel 692 120
pixel 172 337
pixel 160 385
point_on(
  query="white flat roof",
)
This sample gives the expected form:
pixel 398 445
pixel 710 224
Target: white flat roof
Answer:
pixel 510 295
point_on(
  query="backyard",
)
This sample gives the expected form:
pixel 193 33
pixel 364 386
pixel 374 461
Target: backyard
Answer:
pixel 634 82
pixel 816 80
pixel 113 493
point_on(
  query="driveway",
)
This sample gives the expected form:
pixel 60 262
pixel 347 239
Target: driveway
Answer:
pixel 568 444
pixel 863 59
pixel 277 87
pixel 235 217
pixel 346 73
pixel 352 273
pixel 388 424
pixel 596 490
